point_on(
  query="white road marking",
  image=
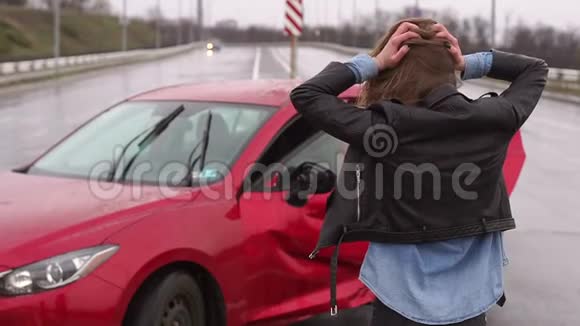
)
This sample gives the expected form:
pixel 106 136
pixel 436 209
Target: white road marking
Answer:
pixel 256 71
pixel 280 60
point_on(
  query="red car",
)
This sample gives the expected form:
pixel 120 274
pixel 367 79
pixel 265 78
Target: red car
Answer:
pixel 174 208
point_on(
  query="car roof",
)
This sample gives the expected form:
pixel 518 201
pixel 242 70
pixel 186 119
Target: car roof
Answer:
pixel 260 92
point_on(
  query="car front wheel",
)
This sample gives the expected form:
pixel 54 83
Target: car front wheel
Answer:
pixel 173 300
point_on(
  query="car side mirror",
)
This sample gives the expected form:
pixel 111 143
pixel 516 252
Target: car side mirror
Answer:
pixel 307 179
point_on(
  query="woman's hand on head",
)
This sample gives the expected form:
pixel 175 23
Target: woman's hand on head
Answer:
pixel 454 49
pixel 393 52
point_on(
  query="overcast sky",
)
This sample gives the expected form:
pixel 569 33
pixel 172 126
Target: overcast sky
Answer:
pixel 560 13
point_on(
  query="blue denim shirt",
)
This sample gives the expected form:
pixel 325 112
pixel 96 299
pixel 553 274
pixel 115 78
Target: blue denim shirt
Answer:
pixel 443 282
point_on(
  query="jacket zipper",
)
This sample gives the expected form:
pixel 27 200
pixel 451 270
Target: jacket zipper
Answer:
pixel 313 254
pixel 358 182
pixel 358 193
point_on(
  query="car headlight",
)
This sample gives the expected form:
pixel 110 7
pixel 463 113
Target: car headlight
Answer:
pixel 54 272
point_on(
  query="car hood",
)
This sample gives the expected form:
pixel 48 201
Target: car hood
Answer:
pixel 45 216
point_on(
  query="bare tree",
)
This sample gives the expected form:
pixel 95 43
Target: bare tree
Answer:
pixel 102 7
pixel 154 13
pixel 481 28
pixel 79 5
pixel 20 3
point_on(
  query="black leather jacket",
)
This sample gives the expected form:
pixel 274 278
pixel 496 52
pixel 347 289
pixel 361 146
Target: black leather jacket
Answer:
pixel 421 173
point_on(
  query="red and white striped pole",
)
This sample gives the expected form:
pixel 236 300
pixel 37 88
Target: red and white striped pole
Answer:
pixel 293 27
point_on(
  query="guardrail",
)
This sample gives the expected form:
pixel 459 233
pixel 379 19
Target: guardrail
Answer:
pixel 565 76
pixel 41 65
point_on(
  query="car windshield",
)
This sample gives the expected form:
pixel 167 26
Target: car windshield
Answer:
pixel 126 144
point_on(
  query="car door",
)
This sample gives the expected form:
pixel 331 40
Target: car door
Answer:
pixel 281 236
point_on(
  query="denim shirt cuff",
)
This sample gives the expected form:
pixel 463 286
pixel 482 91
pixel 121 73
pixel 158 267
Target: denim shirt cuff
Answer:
pixel 364 67
pixel 477 65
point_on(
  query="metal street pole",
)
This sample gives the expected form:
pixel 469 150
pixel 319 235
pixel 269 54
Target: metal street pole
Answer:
pixel 493 14
pixel 200 18
pixel 56 31
pixel 377 13
pixel 179 27
pixel 293 55
pixel 326 20
pixel 354 13
pixel 355 23
pixel 158 26
pixel 124 26
pixel 337 34
pixel 192 17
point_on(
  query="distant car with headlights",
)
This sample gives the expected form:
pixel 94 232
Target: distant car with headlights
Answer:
pixel 214 45
pixel 171 209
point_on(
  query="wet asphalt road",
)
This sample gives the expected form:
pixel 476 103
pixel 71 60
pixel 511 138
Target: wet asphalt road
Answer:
pixel 543 279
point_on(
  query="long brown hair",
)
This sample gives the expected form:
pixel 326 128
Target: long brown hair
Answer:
pixel 426 66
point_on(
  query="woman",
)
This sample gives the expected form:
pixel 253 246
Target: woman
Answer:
pixel 422 178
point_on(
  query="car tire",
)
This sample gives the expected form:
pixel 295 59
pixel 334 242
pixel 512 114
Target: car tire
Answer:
pixel 172 300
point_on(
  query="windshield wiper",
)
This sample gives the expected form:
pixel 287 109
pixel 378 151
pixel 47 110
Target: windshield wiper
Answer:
pixel 191 162
pixel 115 165
pixel 151 134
